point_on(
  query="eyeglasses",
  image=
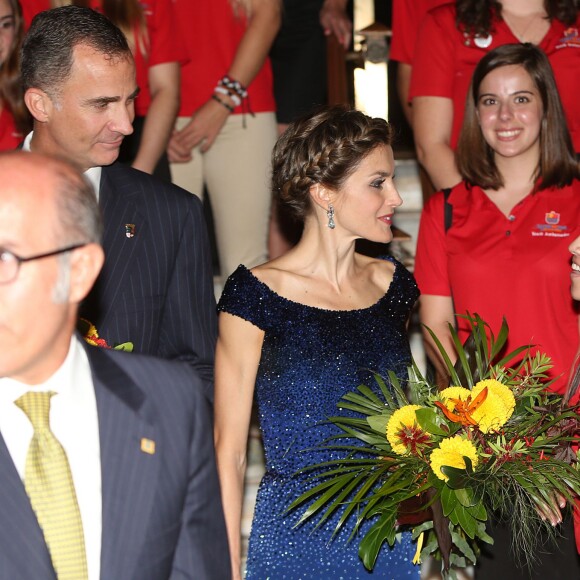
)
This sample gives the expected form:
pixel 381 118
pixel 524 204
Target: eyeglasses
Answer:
pixel 10 262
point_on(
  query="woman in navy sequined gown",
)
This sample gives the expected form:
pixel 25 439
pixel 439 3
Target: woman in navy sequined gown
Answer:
pixel 305 329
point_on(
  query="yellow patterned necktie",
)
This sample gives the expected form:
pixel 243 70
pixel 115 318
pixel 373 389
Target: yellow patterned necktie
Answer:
pixel 49 485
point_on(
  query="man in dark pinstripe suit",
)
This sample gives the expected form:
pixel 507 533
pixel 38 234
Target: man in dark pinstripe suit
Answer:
pixel 135 431
pixel 156 288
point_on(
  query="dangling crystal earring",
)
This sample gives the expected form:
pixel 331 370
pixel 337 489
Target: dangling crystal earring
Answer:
pixel 330 216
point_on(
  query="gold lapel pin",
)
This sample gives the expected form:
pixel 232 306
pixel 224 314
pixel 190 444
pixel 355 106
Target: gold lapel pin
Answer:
pixel 130 230
pixel 147 446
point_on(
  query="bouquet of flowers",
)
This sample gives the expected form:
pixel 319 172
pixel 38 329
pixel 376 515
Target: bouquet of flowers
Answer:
pixel 89 332
pixel 494 442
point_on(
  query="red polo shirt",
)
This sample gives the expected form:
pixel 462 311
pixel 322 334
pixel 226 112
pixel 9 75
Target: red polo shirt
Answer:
pixel 517 267
pixel 165 45
pixel 212 34
pixel 445 59
pixel 407 18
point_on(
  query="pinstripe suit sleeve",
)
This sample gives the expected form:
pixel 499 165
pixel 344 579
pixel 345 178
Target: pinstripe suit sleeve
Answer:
pixel 188 325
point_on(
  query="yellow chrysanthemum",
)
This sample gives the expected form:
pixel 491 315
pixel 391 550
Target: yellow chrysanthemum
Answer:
pixel 497 407
pixel 403 431
pixel 451 452
pixel 498 389
pixel 449 393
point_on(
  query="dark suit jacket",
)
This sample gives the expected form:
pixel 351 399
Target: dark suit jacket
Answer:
pixel 156 287
pixel 162 515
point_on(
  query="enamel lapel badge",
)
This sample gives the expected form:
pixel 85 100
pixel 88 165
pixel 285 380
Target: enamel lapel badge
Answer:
pixel 130 230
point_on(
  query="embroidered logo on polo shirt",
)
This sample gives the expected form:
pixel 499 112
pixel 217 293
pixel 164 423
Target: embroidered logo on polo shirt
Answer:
pixel 571 39
pixel 551 228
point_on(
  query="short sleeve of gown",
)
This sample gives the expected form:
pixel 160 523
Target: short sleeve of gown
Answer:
pixel 246 297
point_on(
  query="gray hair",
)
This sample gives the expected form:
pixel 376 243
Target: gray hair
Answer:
pixel 78 210
pixel 79 222
pixel 61 287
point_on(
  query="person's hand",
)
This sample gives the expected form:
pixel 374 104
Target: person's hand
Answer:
pixel 176 151
pixel 550 511
pixel 334 20
pixel 205 125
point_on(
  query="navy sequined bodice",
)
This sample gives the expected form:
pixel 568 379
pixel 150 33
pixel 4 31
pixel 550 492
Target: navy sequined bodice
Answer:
pixel 310 358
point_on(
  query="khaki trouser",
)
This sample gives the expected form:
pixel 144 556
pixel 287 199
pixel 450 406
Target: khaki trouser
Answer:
pixel 236 171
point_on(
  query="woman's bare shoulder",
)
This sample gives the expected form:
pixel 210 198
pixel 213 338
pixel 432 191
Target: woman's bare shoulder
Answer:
pixel 381 271
pixel 276 274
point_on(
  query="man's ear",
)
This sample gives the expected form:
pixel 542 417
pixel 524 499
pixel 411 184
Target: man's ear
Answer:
pixel 86 263
pixel 321 196
pixel 38 103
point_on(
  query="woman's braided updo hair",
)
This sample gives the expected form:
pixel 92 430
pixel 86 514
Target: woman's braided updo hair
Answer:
pixel 325 148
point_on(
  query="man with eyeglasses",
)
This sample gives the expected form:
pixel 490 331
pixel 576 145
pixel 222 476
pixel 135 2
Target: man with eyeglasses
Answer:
pixel 156 287
pixel 141 494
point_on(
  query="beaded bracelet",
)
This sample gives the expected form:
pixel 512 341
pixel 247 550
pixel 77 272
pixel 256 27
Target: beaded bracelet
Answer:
pixel 223 103
pixel 236 91
pixel 233 96
pixel 233 85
